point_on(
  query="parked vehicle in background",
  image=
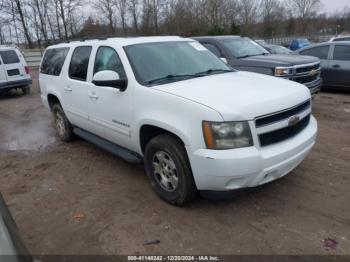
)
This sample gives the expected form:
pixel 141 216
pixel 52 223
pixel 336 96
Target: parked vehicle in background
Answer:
pixel 12 248
pixel 261 42
pixel 196 123
pixel 340 38
pixel 14 71
pixel 299 43
pixel 335 62
pixel 277 49
pixel 244 54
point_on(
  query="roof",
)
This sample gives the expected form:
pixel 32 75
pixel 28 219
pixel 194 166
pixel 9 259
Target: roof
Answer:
pixel 122 41
pixel 220 37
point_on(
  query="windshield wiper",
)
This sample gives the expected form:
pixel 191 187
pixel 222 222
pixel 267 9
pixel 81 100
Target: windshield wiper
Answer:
pixel 214 71
pixel 170 78
pixel 245 56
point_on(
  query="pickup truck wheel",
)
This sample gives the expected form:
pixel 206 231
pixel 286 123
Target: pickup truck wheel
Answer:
pixel 169 170
pixel 26 90
pixel 63 127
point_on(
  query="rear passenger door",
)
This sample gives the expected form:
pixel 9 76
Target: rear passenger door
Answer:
pixel 75 88
pixel 340 65
pixel 110 110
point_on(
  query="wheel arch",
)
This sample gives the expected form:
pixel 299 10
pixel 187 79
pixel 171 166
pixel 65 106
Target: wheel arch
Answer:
pixel 148 131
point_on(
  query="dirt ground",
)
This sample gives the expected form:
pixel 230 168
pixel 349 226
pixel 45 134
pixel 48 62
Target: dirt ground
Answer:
pixel 78 199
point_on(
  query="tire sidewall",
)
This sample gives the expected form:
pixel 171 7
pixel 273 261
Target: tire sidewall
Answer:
pixel 66 136
pixel 179 195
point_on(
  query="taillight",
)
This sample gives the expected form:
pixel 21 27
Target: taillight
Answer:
pixel 26 68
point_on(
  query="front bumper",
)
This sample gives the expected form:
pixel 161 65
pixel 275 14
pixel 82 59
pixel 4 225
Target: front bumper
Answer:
pixel 227 170
pixel 14 84
pixel 315 86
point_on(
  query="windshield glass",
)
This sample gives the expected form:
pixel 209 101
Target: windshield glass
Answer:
pixel 243 47
pixel 164 62
pixel 275 49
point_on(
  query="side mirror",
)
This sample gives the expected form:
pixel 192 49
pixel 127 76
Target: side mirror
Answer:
pixel 109 78
pixel 223 59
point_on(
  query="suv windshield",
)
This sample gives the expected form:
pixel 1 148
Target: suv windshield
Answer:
pixel 243 47
pixel 164 62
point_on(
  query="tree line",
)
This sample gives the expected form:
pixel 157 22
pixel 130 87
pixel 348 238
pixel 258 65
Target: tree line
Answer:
pixel 43 22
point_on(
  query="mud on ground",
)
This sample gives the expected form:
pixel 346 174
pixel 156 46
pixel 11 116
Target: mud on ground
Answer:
pixel 78 199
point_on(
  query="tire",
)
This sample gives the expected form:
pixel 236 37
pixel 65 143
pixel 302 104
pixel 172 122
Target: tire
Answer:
pixel 26 90
pixel 165 160
pixel 63 127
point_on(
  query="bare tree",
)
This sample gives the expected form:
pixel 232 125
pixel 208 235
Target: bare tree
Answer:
pixel 19 10
pixel 122 8
pixel 304 9
pixel 133 8
pixel 107 7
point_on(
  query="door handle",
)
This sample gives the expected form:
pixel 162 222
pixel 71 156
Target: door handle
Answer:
pixel 94 96
pixel 336 66
pixel 68 88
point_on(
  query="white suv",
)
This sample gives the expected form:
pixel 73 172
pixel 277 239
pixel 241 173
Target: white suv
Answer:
pixel 196 124
pixel 14 71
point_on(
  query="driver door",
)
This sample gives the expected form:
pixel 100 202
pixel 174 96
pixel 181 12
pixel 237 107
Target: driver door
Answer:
pixel 110 110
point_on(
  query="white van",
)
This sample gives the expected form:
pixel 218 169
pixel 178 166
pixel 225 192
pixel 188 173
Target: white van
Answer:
pixel 197 124
pixel 14 71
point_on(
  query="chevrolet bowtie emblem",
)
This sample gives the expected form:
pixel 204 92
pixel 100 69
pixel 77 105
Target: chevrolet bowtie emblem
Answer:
pixel 293 121
pixel 313 72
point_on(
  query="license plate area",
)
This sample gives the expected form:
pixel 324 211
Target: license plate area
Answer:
pixel 13 72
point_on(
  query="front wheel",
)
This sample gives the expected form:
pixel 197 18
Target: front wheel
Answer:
pixel 169 170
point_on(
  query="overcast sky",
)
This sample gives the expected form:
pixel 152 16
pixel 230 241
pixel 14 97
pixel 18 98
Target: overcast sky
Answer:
pixel 330 6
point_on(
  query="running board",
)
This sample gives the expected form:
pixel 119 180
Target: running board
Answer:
pixel 121 152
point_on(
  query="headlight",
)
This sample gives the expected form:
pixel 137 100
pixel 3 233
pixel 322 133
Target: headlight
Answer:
pixel 283 71
pixel 227 135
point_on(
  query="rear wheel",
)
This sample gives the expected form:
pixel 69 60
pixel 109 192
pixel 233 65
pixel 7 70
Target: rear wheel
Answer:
pixel 26 90
pixel 63 127
pixel 169 170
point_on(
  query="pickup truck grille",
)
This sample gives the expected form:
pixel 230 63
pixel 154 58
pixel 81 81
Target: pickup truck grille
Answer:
pixel 279 126
pixel 307 74
pixel 306 79
pixel 307 69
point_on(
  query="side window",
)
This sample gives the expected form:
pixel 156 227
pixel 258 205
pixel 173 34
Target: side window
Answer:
pixel 79 63
pixel 321 52
pixel 341 52
pixel 342 39
pixel 9 57
pixel 108 59
pixel 53 61
pixel 212 48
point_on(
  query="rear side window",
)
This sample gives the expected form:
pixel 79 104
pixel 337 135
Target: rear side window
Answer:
pixel 108 59
pixel 53 61
pixel 79 63
pixel 321 52
pixel 9 57
pixel 342 53
pixel 342 39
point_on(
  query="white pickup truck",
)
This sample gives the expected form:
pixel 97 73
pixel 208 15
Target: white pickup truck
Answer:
pixel 197 124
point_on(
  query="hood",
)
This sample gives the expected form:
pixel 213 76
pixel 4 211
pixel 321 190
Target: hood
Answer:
pixel 240 95
pixel 276 60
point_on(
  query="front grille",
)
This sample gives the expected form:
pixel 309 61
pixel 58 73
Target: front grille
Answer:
pixel 283 134
pixel 269 119
pixel 307 69
pixel 306 79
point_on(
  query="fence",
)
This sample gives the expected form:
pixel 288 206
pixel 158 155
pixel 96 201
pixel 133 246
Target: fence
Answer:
pixel 33 56
pixel 285 41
